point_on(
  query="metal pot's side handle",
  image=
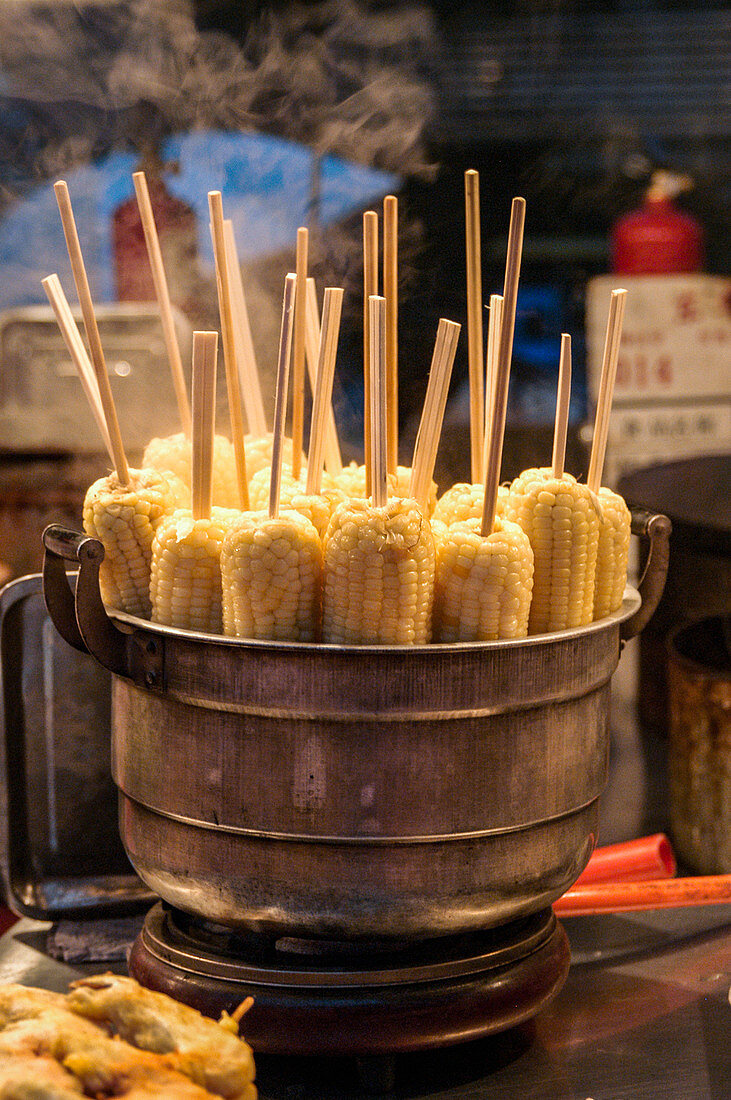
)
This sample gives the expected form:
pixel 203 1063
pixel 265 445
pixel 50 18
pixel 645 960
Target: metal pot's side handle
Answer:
pixel 656 528
pixel 81 620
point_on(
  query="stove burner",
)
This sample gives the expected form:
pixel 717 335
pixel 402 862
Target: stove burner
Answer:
pixel 320 997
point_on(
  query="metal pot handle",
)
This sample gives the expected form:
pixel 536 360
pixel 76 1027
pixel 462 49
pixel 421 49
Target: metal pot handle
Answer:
pixel 656 528
pixel 82 620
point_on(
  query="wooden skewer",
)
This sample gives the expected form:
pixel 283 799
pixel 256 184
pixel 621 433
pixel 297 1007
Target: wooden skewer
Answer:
pixel 493 341
pixel 92 330
pixel 502 373
pixel 606 389
pixel 280 397
pixel 240 1011
pixel 378 426
pixel 370 288
pixel 245 354
pixel 205 352
pixel 233 384
pixel 435 401
pixel 331 312
pixel 163 298
pixel 77 351
pixel 563 401
pixel 474 321
pixel 298 358
pixel 628 897
pixel 333 458
pixel 390 293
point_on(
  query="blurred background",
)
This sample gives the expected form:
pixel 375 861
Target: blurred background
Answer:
pixel 308 114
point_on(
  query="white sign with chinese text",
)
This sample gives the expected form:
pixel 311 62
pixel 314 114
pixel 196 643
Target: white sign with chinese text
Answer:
pixel 672 397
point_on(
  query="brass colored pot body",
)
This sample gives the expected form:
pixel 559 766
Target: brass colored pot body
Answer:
pixel 350 792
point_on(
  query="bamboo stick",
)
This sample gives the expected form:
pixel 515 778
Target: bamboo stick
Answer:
pixel 563 402
pixel 606 389
pixel 378 426
pixel 163 298
pixel 298 363
pixel 435 401
pixel 92 329
pixel 505 351
pixel 77 351
pixel 331 312
pixel 493 342
pixel 390 293
pixel 233 384
pixel 205 351
pixel 370 288
pixel 280 398
pixel 333 457
pixel 245 354
pixel 474 322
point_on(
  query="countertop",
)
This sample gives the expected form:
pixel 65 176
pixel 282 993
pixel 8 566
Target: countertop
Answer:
pixel 644 1015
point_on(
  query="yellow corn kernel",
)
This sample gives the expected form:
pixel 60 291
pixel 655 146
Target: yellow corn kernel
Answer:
pixel 483 585
pixel 465 501
pixel 561 519
pixel 185 578
pixel 259 454
pixel 379 574
pixel 351 481
pixel 271 572
pixel 612 554
pixel 259 487
pixel 173 452
pixel 124 519
pixel 316 507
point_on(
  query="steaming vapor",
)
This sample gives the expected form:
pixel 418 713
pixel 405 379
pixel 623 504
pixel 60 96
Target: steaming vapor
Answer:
pixel 351 79
pixel 344 78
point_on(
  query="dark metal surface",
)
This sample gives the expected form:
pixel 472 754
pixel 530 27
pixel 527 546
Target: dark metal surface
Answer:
pixel 60 852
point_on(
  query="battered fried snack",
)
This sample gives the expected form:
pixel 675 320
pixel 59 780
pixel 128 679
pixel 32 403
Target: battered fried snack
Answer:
pixel 209 1053
pixel 110 1037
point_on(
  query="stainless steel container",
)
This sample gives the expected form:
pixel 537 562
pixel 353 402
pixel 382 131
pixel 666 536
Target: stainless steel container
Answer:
pixel 353 791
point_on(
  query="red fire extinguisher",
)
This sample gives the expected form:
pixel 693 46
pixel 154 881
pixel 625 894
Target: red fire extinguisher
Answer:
pixel 659 238
pixel 176 228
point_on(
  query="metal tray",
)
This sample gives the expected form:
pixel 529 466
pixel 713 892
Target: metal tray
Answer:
pixel 60 851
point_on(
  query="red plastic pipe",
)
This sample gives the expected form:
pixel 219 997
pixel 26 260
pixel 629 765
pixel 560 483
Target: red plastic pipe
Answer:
pixel 648 857
pixel 626 897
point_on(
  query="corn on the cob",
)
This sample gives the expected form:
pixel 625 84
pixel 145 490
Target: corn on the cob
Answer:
pixel 465 501
pixel 316 507
pixel 174 452
pixel 185 577
pixel 352 479
pixel 180 492
pixel 561 519
pixel 124 518
pixel 259 455
pixel 483 585
pixel 271 570
pixel 613 551
pixel 379 574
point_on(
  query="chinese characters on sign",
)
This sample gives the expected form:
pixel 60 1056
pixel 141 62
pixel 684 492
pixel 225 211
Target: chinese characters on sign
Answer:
pixel 672 396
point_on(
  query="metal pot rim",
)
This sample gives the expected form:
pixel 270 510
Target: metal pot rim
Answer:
pixel 631 603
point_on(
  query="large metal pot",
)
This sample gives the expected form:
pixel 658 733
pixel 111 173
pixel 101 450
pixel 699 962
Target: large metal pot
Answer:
pixel 353 791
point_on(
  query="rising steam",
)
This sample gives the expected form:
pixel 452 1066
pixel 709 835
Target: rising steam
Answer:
pixel 337 75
